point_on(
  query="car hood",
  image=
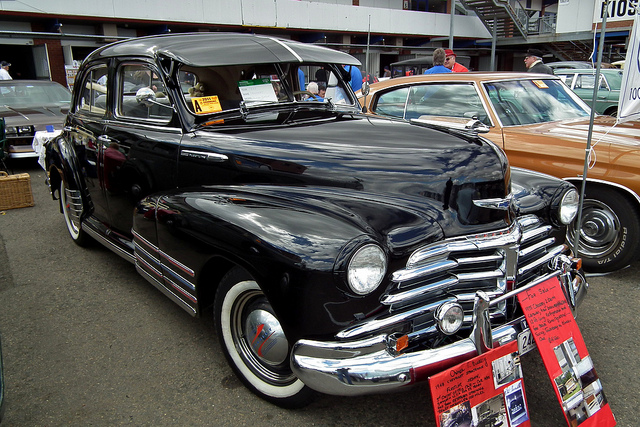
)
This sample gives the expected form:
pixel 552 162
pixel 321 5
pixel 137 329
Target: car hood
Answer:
pixel 402 163
pixel 36 116
pixel 623 134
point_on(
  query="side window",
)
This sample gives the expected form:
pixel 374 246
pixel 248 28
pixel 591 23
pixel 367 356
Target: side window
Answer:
pixel 567 78
pixel 93 98
pixel 446 100
pixel 392 103
pixel 131 79
pixel 585 81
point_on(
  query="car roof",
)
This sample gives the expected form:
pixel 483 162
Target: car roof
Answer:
pixel 570 64
pixel 219 49
pixel 473 76
pixel 589 71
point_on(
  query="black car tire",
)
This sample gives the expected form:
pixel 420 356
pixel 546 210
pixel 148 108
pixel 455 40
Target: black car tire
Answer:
pixel 238 300
pixel 610 232
pixel 78 235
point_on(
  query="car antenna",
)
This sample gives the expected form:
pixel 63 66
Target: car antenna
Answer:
pixel 365 85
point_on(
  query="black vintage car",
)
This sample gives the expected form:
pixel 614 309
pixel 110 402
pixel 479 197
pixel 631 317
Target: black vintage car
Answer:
pixel 339 253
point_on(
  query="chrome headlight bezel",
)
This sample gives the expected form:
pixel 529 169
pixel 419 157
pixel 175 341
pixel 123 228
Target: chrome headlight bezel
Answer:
pixel 568 207
pixel 366 269
pixel 450 317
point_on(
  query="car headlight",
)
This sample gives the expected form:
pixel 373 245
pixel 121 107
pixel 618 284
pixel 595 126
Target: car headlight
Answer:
pixel 19 130
pixel 569 206
pixel 366 269
pixel 450 316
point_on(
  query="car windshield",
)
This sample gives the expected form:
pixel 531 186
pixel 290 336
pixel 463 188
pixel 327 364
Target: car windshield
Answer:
pixel 19 94
pixel 211 91
pixel 524 102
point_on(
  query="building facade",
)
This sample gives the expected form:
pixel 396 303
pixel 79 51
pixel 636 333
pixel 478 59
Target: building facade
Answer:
pixel 46 40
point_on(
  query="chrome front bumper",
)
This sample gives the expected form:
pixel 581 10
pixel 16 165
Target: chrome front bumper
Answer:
pixel 370 365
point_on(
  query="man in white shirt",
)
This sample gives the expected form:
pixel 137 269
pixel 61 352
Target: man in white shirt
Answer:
pixel 4 71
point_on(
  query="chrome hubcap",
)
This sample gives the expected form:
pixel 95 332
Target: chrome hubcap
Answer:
pixel 265 337
pixel 600 231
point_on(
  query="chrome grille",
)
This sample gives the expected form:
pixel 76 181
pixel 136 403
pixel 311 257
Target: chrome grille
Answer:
pixel 454 270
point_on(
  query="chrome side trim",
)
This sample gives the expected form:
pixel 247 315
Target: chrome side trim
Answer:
pixel 164 269
pixel 577 181
pixel 108 243
pixel 166 291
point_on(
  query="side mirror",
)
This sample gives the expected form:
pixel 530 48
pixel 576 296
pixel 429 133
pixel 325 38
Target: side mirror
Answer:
pixel 365 89
pixel 146 96
pixel 477 126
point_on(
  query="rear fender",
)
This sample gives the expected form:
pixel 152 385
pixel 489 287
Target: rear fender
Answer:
pixel 63 164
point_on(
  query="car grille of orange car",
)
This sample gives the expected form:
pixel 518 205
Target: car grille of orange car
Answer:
pixel 454 270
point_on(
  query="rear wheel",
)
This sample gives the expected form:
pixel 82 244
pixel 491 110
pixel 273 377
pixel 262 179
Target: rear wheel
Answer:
pixel 254 342
pixel 71 204
pixel 610 232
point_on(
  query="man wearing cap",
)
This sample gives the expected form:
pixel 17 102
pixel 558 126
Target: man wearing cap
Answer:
pixel 450 62
pixel 4 71
pixel 438 63
pixel 533 61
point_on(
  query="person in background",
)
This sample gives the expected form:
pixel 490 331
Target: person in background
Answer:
pixel 368 78
pixel 387 71
pixel 301 78
pixel 356 77
pixel 534 64
pixel 450 62
pixel 314 90
pixel 439 56
pixel 4 71
pixel 322 75
pixel 322 90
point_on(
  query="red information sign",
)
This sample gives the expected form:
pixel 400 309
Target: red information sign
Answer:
pixel 485 390
pixel 565 356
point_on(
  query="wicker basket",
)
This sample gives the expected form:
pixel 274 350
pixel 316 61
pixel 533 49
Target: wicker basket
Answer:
pixel 15 191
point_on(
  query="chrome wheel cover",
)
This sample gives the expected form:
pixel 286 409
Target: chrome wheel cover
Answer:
pixel 600 233
pixel 258 338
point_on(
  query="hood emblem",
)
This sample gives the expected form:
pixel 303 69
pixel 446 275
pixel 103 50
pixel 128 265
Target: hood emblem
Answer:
pixel 499 204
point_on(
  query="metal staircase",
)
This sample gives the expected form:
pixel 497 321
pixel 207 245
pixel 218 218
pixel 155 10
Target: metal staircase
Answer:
pixel 572 50
pixel 508 17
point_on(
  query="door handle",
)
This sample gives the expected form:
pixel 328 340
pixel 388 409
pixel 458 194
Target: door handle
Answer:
pixel 204 155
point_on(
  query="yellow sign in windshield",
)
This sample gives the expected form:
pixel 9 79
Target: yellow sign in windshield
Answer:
pixel 206 104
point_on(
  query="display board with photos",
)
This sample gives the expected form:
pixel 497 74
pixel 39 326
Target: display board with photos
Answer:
pixel 484 391
pixel 565 356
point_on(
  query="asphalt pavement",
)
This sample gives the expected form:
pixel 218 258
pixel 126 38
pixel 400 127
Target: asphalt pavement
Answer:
pixel 87 341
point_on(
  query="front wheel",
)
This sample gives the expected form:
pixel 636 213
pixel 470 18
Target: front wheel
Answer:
pixel 254 342
pixel 610 232
pixel 71 205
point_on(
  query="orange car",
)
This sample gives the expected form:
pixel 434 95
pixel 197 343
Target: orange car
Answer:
pixel 541 125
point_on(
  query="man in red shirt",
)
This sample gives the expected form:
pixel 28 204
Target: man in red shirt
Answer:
pixel 450 62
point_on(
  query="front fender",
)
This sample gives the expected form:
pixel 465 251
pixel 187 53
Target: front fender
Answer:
pixel 538 193
pixel 296 242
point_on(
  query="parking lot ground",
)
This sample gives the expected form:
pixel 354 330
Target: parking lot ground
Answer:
pixel 87 341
